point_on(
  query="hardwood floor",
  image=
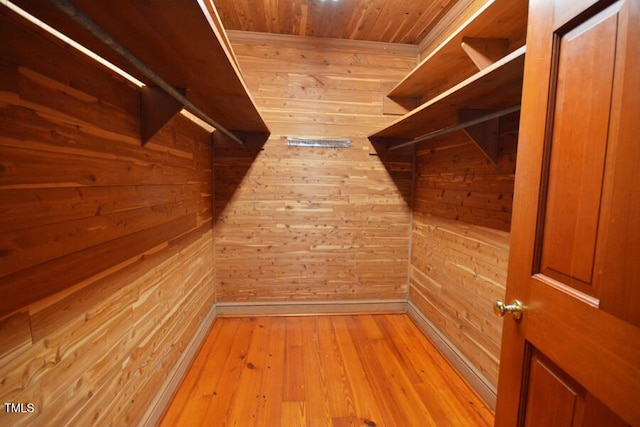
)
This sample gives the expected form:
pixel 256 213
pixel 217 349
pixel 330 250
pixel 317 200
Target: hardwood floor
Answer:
pixel 353 370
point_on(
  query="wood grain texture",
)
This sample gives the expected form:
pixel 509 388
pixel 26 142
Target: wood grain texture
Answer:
pixel 449 63
pixel 574 195
pixel 620 223
pixel 401 21
pixel 457 271
pixel 313 224
pixel 458 267
pixel 496 87
pixel 452 20
pixel 455 180
pixel 106 247
pixel 323 370
pixel 166 46
pixel 603 357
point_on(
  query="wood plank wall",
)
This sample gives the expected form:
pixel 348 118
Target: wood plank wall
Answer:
pixel 460 243
pixel 460 236
pixel 455 180
pixel 314 224
pixel 106 249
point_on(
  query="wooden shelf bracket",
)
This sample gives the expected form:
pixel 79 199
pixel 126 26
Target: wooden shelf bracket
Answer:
pixel 485 134
pixel 156 109
pixel 485 51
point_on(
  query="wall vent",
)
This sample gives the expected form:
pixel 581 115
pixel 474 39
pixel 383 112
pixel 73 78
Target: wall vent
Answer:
pixel 313 142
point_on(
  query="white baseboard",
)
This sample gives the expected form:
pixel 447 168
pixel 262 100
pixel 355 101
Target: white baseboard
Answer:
pixel 303 308
pixel 161 402
pixel 475 379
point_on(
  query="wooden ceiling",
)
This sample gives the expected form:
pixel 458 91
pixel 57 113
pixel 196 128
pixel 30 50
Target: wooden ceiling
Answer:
pixel 393 21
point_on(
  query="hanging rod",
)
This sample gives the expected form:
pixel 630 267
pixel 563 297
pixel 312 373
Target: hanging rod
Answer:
pixel 459 126
pixel 69 9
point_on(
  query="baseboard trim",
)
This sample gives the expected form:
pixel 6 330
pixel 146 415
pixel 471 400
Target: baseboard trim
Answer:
pixel 160 403
pixel 475 379
pixel 306 308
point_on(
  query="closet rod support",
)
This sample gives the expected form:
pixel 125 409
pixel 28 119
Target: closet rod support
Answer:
pixel 80 18
pixel 444 131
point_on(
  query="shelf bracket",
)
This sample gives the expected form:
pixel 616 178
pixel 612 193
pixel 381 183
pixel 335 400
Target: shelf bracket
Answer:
pixel 485 134
pixel 398 106
pixel 485 51
pixel 157 108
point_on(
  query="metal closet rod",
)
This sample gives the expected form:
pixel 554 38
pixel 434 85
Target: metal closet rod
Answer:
pixel 69 9
pixel 482 119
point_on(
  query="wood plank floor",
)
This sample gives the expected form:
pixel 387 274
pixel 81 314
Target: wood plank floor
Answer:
pixel 353 370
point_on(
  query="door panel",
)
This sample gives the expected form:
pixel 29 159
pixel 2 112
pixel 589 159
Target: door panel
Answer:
pixel 547 389
pixel 583 91
pixel 618 253
pixel 573 359
pixel 564 403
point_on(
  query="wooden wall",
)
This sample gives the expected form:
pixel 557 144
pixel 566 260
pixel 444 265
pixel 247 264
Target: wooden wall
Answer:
pixel 106 248
pixel 111 255
pixel 314 224
pixel 460 243
pixel 455 180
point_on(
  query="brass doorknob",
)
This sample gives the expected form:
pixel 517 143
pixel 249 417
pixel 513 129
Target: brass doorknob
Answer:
pixel 515 309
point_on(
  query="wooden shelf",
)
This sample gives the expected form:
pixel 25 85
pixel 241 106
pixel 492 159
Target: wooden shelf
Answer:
pixel 496 30
pixel 495 87
pixel 180 41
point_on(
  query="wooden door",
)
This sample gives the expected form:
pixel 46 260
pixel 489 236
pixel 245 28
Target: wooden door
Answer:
pixel 573 359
